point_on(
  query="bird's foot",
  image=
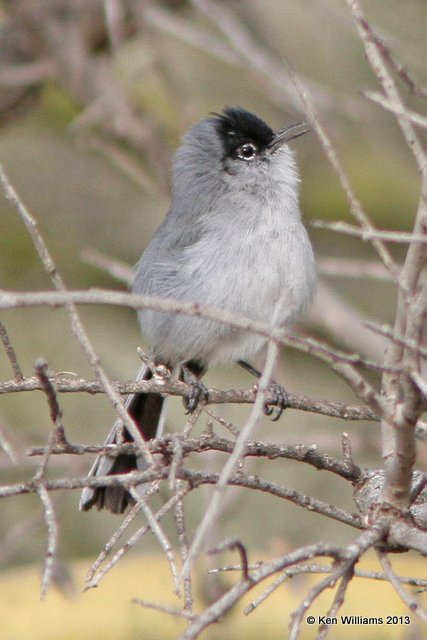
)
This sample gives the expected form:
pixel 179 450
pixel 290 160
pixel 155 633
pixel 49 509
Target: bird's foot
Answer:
pixel 279 398
pixel 278 403
pixel 198 391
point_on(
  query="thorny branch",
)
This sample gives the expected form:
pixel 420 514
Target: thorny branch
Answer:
pixel 391 501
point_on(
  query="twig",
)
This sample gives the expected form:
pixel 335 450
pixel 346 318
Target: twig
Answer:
pixel 10 352
pixel 219 608
pixel 375 52
pixel 352 268
pixel 115 21
pixel 195 479
pixel 338 360
pixel 214 508
pixel 316 568
pixel 344 565
pixel 267 592
pixel 337 602
pixel 121 161
pixel 254 56
pixel 106 550
pixel 32 73
pixel 220 420
pixel 167 446
pixel 369 234
pixel 183 545
pixel 327 583
pixel 176 463
pixel 95 574
pixel 230 545
pixel 420 382
pixel 41 370
pixel 158 532
pixel 347 457
pixel 176 388
pixel 388 332
pixel 171 611
pixel 169 22
pixel 8 448
pixel 343 364
pixel 116 268
pixel 398 68
pixel 75 322
pixel 416 118
pixel 258 484
pixel 192 420
pixel 354 203
pixel 399 421
pixel 333 314
pixel 411 602
pixel 52 538
pixel 57 436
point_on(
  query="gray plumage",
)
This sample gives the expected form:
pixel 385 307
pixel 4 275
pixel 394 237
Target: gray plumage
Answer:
pixel 232 239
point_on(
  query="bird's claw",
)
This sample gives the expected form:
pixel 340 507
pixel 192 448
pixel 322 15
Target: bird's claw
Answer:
pixel 278 403
pixel 198 393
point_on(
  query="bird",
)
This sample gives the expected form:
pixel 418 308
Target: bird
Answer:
pixel 233 239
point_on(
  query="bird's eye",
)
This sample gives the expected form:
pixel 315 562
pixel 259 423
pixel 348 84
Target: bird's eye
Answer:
pixel 247 151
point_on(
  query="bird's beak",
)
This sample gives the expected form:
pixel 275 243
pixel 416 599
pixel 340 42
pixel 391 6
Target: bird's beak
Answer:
pixel 286 135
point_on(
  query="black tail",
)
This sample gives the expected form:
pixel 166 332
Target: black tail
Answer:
pixel 145 409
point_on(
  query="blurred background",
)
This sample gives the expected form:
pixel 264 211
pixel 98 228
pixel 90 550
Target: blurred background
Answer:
pixel 94 98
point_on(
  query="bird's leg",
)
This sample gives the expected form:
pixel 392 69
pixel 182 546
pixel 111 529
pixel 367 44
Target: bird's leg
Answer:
pixel 191 372
pixel 279 401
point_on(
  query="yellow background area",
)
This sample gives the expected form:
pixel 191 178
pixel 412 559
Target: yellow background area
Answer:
pixel 107 612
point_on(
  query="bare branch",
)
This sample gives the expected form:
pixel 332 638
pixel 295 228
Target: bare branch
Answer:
pixel 41 369
pixel 52 538
pixel 369 234
pixel 352 268
pixel 108 547
pixel 354 203
pixel 184 546
pixel 416 118
pixel 213 510
pixel 374 53
pixel 396 581
pixel 75 322
pixel 8 448
pixel 254 56
pixel 343 567
pixel 398 68
pixel 173 387
pixel 116 268
pixel 337 602
pixel 171 611
pixel 316 568
pixel 158 532
pixel 349 556
pixel 95 574
pixel 115 21
pixel 196 479
pixel 10 352
pixel 208 442
pixel 230 545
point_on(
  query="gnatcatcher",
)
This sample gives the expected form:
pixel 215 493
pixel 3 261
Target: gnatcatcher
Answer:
pixel 232 240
